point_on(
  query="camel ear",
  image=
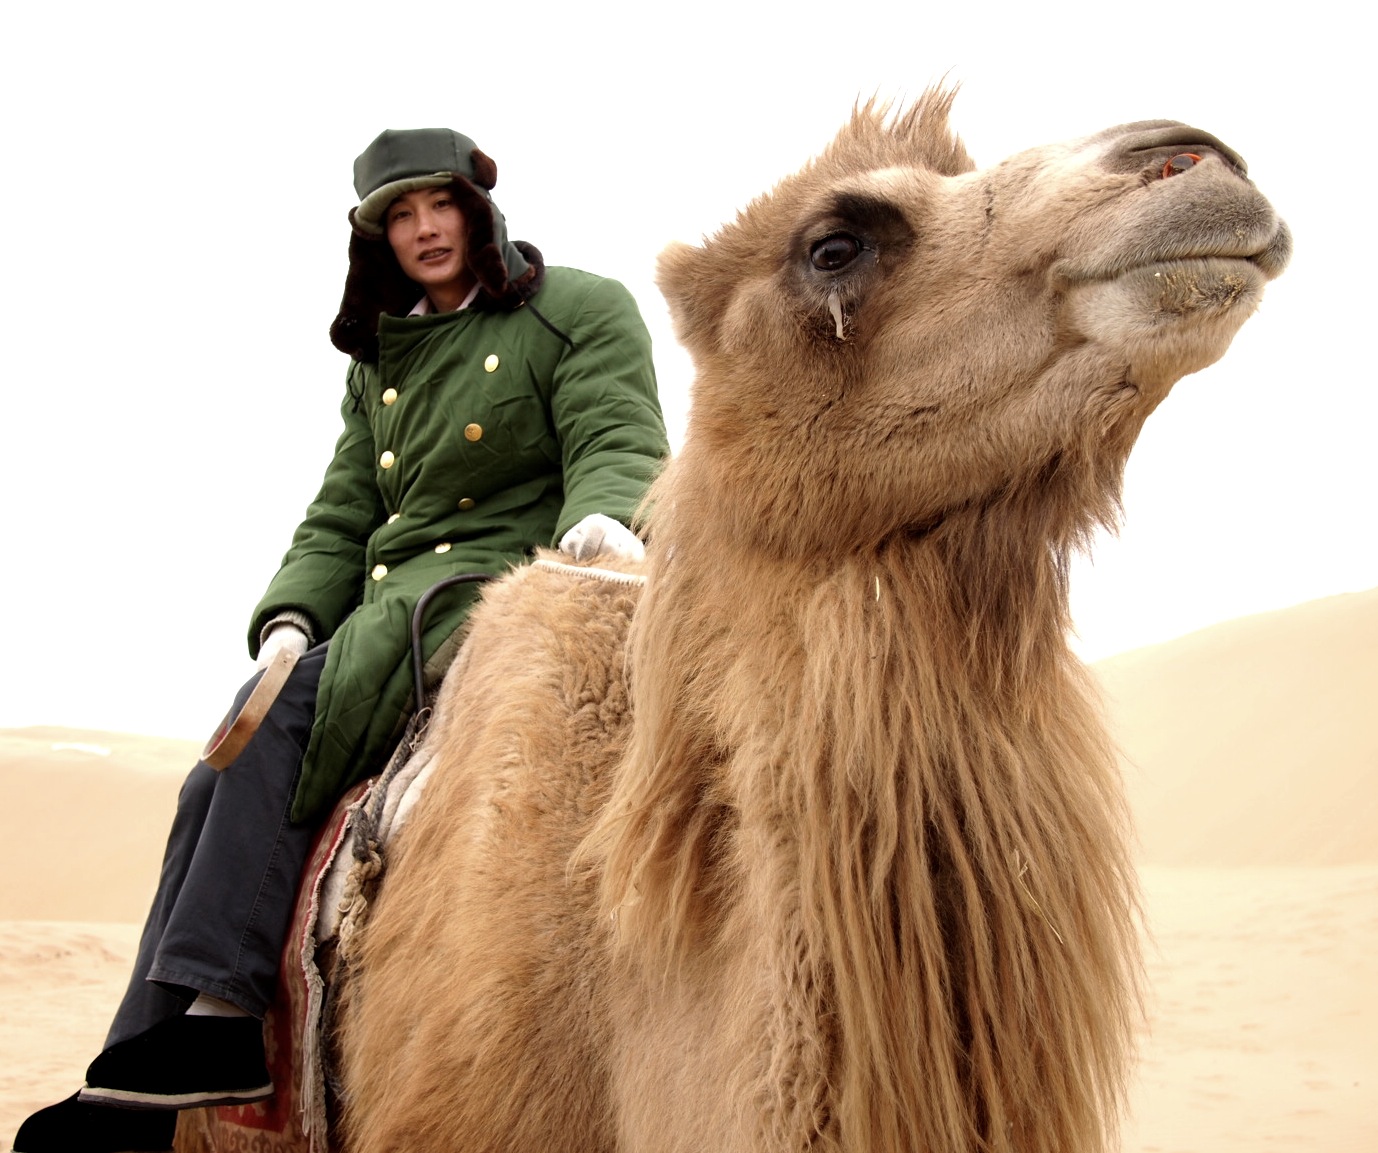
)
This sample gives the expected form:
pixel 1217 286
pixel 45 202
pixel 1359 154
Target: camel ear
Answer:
pixel 680 276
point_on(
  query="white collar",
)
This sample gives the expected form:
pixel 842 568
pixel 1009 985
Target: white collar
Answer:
pixel 423 306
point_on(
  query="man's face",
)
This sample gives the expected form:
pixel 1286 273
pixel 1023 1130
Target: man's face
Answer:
pixel 427 232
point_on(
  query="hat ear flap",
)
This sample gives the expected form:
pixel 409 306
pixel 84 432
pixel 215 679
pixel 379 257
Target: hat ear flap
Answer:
pixel 485 169
pixel 375 284
pixel 485 254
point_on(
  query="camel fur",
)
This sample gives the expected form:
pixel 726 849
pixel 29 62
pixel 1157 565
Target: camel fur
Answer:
pixel 816 842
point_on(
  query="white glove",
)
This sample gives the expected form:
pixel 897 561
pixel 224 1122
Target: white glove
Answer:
pixel 599 535
pixel 283 635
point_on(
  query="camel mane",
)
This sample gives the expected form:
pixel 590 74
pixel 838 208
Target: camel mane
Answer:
pixel 959 901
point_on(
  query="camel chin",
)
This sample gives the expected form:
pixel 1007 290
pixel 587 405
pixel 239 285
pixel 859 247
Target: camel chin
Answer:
pixel 1166 320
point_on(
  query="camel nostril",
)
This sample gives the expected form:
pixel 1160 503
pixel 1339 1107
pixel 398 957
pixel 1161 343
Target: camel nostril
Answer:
pixel 1180 163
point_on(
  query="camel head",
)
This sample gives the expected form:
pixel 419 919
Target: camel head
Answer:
pixel 891 338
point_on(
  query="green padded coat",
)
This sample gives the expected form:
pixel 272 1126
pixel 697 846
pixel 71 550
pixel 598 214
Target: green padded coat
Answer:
pixel 475 437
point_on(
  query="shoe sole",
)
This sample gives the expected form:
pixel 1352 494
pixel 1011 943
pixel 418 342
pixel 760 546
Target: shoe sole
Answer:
pixel 133 1099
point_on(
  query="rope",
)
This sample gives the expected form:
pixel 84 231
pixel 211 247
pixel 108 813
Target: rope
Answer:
pixel 599 574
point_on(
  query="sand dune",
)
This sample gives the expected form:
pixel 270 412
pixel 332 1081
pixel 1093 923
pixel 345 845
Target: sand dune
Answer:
pixel 1251 754
pixel 95 810
pixel 1263 1012
pixel 59 984
pixel 1255 742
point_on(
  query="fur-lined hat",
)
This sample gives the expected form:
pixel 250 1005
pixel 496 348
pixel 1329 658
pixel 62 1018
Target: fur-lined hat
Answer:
pixel 401 161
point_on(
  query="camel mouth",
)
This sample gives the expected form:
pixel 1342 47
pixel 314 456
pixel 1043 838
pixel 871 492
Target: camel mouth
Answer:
pixel 1195 264
pixel 1266 263
pixel 1262 265
pixel 1262 257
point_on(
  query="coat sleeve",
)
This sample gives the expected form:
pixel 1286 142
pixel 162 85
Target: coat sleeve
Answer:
pixel 322 575
pixel 606 410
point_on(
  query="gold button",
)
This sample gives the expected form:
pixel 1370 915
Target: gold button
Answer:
pixel 380 571
pixel 490 364
pixel 386 459
pixel 389 395
pixel 393 518
pixel 466 504
pixel 443 546
pixel 471 432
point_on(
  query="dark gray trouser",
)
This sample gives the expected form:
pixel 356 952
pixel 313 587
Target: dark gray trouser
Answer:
pixel 229 881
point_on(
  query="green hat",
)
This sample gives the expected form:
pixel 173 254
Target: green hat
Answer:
pixel 399 162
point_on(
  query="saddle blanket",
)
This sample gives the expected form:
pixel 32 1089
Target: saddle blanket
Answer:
pixel 296 1119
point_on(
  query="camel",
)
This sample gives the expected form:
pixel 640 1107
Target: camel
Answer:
pixel 807 835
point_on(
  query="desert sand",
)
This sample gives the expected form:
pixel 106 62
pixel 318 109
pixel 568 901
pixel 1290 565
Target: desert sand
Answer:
pixel 1251 761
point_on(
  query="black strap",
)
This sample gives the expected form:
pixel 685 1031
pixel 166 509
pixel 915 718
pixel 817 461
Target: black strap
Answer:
pixel 418 619
pixel 536 312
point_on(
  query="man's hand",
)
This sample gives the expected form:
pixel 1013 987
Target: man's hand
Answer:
pixel 599 535
pixel 284 635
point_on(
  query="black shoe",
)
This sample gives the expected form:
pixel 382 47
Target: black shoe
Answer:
pixel 182 1063
pixel 72 1126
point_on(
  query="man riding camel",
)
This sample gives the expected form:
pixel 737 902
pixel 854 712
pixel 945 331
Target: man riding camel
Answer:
pixel 492 404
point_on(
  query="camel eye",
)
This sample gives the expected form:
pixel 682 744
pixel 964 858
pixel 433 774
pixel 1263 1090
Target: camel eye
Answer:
pixel 1180 163
pixel 834 252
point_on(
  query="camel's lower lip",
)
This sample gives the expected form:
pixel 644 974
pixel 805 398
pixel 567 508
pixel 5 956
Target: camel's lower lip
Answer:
pixel 1193 284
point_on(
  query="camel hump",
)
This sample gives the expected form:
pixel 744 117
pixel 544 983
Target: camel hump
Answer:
pixel 548 641
pixel 550 601
pixel 559 602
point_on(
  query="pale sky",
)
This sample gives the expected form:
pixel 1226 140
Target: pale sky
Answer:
pixel 178 177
